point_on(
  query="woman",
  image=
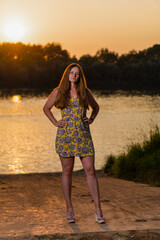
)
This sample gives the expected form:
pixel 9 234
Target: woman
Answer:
pixel 73 134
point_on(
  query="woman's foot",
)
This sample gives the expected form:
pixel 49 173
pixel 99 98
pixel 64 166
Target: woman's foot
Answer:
pixel 99 216
pixel 70 215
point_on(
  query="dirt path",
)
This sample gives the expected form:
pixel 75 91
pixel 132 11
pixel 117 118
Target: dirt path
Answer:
pixel 33 204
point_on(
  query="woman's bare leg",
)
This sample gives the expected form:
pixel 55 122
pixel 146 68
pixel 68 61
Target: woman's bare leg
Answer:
pixel 66 178
pixel 88 165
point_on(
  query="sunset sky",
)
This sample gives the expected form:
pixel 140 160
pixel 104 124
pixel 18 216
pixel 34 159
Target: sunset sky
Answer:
pixel 83 26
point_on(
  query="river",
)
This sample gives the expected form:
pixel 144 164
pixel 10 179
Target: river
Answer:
pixel 27 137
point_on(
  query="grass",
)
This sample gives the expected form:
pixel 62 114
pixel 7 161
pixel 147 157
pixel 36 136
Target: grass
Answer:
pixel 141 163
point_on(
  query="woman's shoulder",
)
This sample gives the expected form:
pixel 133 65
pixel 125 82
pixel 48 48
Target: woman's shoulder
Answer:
pixel 56 89
pixel 54 92
pixel 88 91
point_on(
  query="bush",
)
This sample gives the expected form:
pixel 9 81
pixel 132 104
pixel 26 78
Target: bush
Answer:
pixel 141 163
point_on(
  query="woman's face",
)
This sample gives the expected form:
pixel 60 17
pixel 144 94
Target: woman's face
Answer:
pixel 74 74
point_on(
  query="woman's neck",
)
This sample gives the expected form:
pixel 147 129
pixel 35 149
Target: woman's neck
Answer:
pixel 73 91
pixel 73 86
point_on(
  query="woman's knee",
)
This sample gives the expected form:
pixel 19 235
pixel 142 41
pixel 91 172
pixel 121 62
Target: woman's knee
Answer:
pixel 67 170
pixel 90 171
pixel 88 165
pixel 67 165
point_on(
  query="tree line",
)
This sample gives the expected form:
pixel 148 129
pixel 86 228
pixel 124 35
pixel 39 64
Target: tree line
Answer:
pixel 41 67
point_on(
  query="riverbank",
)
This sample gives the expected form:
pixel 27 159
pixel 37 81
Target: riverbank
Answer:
pixel 33 204
pixel 141 163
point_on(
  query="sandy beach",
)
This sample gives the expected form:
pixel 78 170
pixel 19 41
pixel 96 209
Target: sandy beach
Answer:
pixel 32 206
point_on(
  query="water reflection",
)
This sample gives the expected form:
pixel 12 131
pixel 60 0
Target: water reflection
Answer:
pixel 27 137
pixel 16 98
pixel 16 166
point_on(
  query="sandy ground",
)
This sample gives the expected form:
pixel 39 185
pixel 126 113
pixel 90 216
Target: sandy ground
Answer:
pixel 32 206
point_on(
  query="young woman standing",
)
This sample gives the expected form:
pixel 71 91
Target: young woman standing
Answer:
pixel 73 136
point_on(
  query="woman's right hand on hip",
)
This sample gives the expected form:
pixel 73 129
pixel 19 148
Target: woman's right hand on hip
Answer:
pixel 61 123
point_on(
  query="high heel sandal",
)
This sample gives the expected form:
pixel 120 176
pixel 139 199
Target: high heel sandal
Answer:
pixel 70 215
pixel 100 219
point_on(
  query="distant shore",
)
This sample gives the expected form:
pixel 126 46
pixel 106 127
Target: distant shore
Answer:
pixel 4 92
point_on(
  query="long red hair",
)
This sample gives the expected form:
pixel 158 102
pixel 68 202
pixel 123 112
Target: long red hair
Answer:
pixel 63 95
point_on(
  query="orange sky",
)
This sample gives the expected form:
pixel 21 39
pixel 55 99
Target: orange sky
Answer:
pixel 85 26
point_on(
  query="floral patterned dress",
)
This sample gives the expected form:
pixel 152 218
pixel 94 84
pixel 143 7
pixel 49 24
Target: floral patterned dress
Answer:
pixel 74 139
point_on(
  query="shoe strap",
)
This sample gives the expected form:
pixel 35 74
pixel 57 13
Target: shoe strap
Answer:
pixel 101 217
pixel 71 212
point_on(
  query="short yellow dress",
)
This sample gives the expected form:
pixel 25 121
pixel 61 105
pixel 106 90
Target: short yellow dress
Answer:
pixel 74 139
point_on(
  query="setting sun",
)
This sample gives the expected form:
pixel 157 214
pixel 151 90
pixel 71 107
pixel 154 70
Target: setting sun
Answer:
pixel 14 31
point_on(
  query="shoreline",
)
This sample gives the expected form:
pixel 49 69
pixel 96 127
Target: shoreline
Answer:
pixel 76 172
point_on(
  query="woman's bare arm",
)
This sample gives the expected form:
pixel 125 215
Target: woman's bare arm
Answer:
pixel 47 109
pixel 94 105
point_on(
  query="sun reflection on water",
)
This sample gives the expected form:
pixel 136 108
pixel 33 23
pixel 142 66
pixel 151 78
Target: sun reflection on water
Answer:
pixel 16 166
pixel 16 98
